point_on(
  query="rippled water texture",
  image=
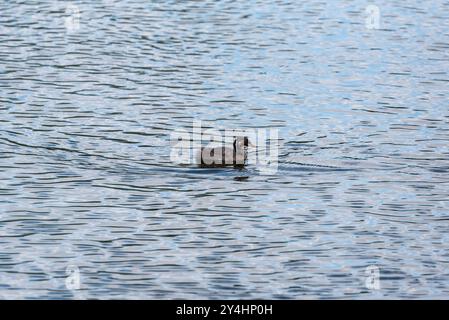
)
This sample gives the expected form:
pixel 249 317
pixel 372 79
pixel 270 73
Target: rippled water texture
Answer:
pixel 86 182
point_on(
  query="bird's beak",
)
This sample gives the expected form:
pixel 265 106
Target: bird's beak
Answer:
pixel 251 145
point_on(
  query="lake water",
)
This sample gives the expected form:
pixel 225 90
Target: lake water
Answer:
pixel 90 92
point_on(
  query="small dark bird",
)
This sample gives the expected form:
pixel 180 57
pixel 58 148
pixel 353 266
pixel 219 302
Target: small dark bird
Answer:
pixel 223 156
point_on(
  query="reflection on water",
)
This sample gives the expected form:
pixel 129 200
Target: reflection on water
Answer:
pixel 88 102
